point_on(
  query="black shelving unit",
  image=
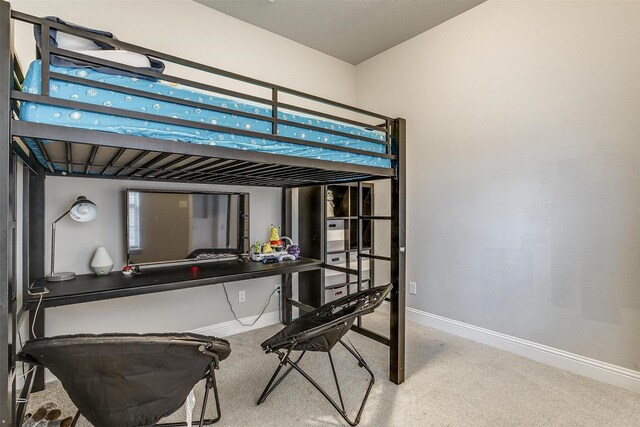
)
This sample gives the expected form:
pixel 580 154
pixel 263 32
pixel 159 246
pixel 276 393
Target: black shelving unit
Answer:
pixel 342 237
pixel 335 240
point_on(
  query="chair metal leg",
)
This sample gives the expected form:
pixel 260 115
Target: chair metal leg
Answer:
pixel 76 417
pixel 335 378
pixel 362 364
pixel 210 384
pixel 341 410
pixel 216 397
pixel 284 359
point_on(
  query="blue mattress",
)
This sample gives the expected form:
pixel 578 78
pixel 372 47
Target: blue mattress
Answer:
pixel 53 115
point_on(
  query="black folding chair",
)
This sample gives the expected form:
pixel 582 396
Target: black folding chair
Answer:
pixel 320 330
pixel 130 380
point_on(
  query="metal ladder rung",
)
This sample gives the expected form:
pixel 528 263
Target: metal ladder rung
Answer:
pixel 382 258
pixel 340 269
pixel 375 217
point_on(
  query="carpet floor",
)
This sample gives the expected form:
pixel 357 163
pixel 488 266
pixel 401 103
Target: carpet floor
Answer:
pixel 450 382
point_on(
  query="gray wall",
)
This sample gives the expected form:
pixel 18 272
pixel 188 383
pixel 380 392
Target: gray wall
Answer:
pixel 523 127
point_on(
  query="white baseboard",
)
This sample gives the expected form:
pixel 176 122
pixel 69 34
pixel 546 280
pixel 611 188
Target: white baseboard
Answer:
pixel 590 368
pixel 232 327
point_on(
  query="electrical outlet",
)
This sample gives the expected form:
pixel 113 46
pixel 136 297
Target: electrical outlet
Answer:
pixel 412 288
pixel 278 286
pixel 242 297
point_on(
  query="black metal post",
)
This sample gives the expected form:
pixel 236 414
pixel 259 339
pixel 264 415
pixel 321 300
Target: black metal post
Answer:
pixel 13 268
pixel 274 111
pixel 6 313
pixel 360 243
pixel 26 203
pixel 398 258
pixel 26 179
pixel 286 285
pixel 44 54
pixel 36 258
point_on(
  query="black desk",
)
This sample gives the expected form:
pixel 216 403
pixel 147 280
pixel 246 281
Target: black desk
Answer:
pixel 89 287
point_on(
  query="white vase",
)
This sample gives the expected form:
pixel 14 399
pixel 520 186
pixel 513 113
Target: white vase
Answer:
pixel 101 264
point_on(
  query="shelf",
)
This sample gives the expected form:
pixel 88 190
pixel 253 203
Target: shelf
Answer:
pixel 339 233
pixel 337 252
pixel 363 281
pixel 367 248
pixel 355 217
pixel 337 285
pixel 89 287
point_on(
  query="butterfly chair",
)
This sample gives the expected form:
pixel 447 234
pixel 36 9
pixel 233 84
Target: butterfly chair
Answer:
pixel 130 380
pixel 320 330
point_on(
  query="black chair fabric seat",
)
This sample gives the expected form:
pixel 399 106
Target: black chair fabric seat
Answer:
pixel 323 342
pixel 322 328
pixel 127 379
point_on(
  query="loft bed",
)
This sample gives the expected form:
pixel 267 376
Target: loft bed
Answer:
pixel 107 119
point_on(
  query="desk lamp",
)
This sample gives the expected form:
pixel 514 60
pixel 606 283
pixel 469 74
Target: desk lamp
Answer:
pixel 82 210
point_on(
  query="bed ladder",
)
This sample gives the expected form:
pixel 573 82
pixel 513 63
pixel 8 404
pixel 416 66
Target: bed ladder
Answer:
pixel 370 255
pixel 396 257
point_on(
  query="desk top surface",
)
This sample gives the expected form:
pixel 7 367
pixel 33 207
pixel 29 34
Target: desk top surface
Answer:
pixel 89 287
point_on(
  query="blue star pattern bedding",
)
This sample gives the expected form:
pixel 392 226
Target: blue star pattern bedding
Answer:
pixel 53 115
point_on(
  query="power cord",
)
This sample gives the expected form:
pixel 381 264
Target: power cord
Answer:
pixel 24 374
pixel 226 294
pixel 35 316
pixel 21 345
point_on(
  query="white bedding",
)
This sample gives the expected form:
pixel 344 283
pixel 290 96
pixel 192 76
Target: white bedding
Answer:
pixel 87 47
pixel 75 43
pixel 120 56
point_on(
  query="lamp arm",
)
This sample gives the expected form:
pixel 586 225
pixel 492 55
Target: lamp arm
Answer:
pixel 62 216
pixel 53 241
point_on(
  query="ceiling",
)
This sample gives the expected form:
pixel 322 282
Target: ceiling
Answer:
pixel 351 30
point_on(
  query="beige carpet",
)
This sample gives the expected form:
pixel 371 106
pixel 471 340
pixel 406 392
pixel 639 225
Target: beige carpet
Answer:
pixel 450 382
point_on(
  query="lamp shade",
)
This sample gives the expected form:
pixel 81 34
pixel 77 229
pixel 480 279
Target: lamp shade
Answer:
pixel 83 210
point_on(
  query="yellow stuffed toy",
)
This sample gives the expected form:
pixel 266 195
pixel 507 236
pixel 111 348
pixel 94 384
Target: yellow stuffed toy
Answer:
pixel 274 240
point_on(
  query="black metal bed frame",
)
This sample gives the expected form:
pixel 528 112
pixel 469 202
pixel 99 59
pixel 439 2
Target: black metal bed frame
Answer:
pixel 78 152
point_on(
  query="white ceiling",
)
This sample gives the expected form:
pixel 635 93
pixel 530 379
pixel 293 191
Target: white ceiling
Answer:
pixel 351 30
